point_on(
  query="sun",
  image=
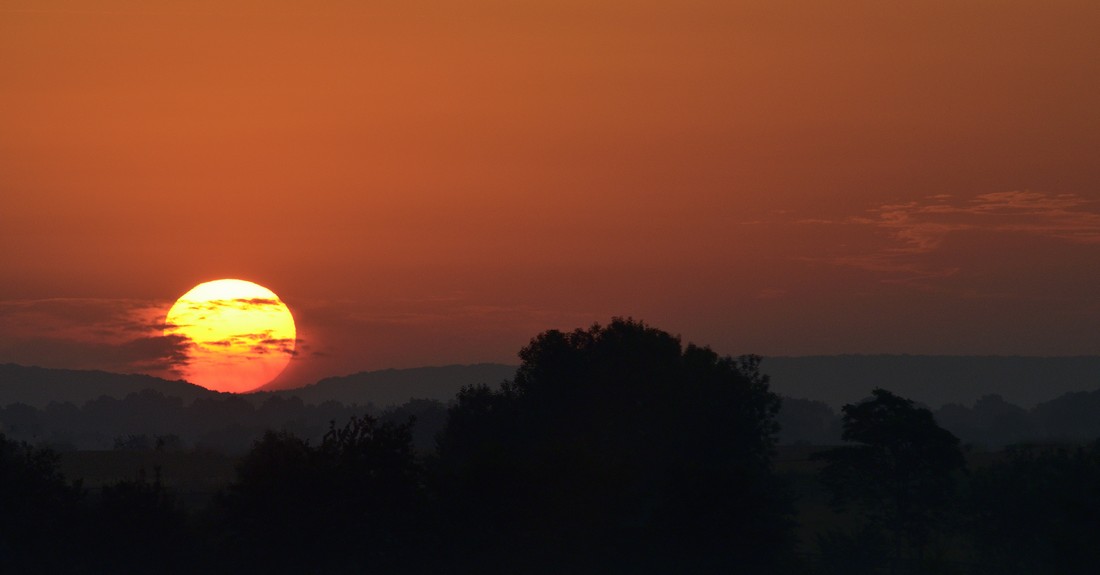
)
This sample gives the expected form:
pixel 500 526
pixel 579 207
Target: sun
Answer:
pixel 241 334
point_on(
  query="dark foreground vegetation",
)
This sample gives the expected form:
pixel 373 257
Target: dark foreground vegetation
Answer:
pixel 613 450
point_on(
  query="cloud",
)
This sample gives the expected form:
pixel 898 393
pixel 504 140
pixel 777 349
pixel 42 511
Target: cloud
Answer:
pixel 249 345
pixel 234 303
pixel 916 230
pixel 122 335
pixel 281 345
pixel 259 302
pixel 922 226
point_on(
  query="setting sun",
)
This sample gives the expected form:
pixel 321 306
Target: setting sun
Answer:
pixel 241 334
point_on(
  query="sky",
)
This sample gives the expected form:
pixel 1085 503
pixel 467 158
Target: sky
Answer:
pixel 436 182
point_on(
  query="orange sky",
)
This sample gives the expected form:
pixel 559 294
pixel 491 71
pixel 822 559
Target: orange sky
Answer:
pixel 435 182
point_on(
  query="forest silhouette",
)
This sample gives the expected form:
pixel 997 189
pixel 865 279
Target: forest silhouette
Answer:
pixel 615 449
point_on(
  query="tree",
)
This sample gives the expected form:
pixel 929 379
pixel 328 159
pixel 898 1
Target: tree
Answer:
pixel 616 449
pixel 901 473
pixel 351 504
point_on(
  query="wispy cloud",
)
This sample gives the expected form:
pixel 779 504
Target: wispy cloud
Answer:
pixel 260 343
pixel 234 303
pixel 258 302
pixel 920 228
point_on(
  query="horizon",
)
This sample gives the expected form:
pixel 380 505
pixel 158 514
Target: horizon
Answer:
pixel 516 364
pixel 836 380
pixel 277 385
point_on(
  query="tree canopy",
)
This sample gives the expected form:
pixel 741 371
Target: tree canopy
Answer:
pixel 618 448
pixel 899 474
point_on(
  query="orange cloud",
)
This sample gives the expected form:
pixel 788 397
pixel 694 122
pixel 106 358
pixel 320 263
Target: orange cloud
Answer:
pixel 921 226
pixel 918 229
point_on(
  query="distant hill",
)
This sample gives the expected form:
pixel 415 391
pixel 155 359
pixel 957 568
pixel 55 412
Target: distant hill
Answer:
pixel 932 379
pixel 835 380
pixel 38 386
pixel 396 386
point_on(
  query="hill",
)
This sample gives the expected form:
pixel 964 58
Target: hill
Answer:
pixel 38 386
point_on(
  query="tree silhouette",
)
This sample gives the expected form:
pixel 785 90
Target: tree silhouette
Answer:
pixel 40 513
pixel 615 449
pixel 353 503
pixel 138 527
pixel 1038 511
pixel 901 473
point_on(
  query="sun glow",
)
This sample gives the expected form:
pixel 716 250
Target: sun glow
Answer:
pixel 241 334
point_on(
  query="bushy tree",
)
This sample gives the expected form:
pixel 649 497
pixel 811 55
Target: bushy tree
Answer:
pixel 616 449
pixel 899 475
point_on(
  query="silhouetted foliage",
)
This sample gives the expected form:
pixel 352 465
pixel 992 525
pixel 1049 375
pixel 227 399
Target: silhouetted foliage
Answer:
pixel 861 552
pixel 430 416
pixel 353 503
pixel 231 424
pixel 1038 511
pixel 39 511
pixel 137 527
pixel 615 449
pixel 901 474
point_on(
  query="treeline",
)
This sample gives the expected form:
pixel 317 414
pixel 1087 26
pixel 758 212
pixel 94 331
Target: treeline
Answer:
pixel 991 423
pixel 230 424
pixel 613 450
pixel 360 501
pixel 909 503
